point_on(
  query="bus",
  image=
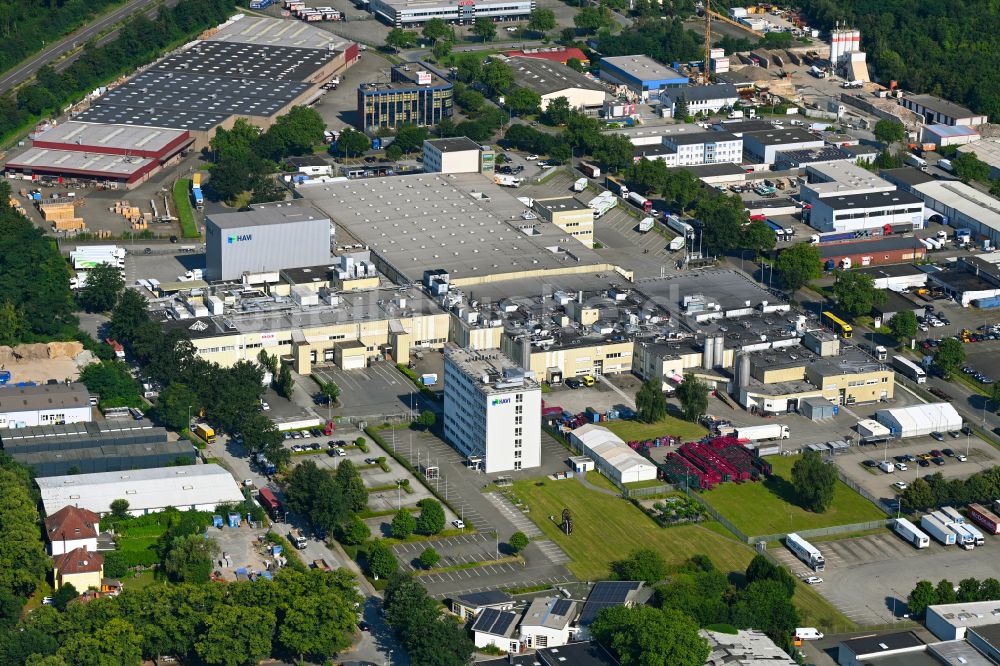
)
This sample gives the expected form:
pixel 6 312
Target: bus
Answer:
pixel 838 325
pixel 805 551
pixel 909 369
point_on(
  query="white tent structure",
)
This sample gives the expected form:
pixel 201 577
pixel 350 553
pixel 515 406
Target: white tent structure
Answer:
pixel 613 457
pixel 917 420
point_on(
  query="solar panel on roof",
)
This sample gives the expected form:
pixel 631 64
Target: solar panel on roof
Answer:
pixel 486 620
pixel 561 607
pixel 503 623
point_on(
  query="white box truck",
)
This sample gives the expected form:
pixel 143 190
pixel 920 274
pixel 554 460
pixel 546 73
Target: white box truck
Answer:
pixel 963 537
pixel 580 185
pixel 762 432
pixel 676 244
pixel 916 161
pixel 938 530
pixel 646 224
pixel 887 466
pixel 909 531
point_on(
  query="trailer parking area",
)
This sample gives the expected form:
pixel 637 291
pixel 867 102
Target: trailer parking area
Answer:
pixel 869 577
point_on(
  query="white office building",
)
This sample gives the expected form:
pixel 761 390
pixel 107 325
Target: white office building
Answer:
pixel 492 410
pixel 412 13
pixel 762 146
pixel 704 148
pixel 856 212
pixel 453 155
pixel 49 404
pixel 699 99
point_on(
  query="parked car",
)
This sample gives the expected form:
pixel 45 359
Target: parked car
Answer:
pixel 948 452
pixel 954 434
pixel 871 464
pixel 573 383
pixel 459 524
pixel 966 430
pixel 901 466
pixel 899 485
pixel 371 461
pixel 960 457
pixel 938 436
pixel 937 454
pixel 938 461
pixel 812 580
pixel 923 463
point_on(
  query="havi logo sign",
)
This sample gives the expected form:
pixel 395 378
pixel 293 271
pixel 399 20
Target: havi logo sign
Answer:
pixel 500 401
pixel 239 238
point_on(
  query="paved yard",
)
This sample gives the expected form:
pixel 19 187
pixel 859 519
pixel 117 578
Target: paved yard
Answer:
pixel 373 392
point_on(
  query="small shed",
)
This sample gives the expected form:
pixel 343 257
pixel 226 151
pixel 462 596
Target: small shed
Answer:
pixel 817 408
pixel 581 464
pixel 872 428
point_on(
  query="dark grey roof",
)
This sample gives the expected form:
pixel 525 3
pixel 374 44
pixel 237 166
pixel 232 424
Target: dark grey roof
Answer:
pixel 250 61
pixel 454 144
pixel 265 215
pixel 703 93
pixel 906 176
pixel 808 155
pixel 776 137
pixel 488 598
pixel 892 270
pixel 738 127
pixel 496 622
pixel 869 200
pixel 307 160
pixel 700 137
pixel 606 594
pixel 719 169
pixel 962 281
pixel 941 106
pixel 896 303
pixel 863 247
pixel 46 396
pixel 573 654
pixel 881 643
pixel 860 149
pixel 546 77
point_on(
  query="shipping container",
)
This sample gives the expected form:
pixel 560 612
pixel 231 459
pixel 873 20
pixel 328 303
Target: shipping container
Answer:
pixel 580 184
pixel 591 170
pixel 985 518
pixel 952 514
pixel 646 224
pixel 909 531
pixel 963 537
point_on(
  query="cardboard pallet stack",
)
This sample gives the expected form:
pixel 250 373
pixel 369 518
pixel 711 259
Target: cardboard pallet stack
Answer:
pixel 62 216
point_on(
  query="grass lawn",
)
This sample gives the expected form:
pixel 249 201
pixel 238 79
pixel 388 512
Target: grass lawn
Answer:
pixel 185 214
pixel 770 507
pixel 597 479
pixel 607 528
pixel 648 483
pixel 635 430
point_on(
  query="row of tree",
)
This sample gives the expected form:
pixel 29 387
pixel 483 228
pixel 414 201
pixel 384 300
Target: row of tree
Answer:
pixel 300 615
pixel 139 41
pixel 23 562
pixel 926 594
pixel 428 635
pixel 935 491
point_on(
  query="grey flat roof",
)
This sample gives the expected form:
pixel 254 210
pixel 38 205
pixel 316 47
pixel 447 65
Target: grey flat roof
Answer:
pixel 961 653
pixel 642 67
pixel 239 60
pixel 891 270
pixel 487 598
pixel 279 32
pixel 463 223
pixel 743 126
pixel 806 155
pixel 152 117
pixel 79 134
pixel 702 137
pixel 546 77
pixel 719 169
pixel 861 247
pixel 940 105
pixel 874 644
pixel 777 137
pixel 454 144
pixel 265 215
pixel 561 204
pixel 730 289
pixel 961 280
pixel 46 396
pixel 703 93
pixel 869 200
pixel 906 176
pixel 180 91
pixel 72 161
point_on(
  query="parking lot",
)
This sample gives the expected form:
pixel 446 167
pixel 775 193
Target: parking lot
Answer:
pixel 980 456
pixel 378 390
pixel 245 546
pixel 868 577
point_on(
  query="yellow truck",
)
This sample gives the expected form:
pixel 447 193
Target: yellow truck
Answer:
pixel 205 432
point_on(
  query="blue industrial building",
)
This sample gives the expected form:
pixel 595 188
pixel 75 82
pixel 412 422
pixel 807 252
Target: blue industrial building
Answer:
pixel 641 74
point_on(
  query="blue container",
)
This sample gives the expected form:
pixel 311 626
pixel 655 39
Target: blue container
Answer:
pixel 234 520
pixel 217 521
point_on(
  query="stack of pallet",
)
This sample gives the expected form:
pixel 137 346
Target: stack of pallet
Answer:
pixel 128 211
pixel 16 205
pixel 62 216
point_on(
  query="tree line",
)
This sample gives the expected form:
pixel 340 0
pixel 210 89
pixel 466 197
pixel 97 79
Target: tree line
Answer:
pixel 300 615
pixel 23 561
pixel 139 41
pixel 935 491
pixel 926 594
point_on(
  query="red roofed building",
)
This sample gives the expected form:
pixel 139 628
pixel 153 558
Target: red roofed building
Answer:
pixel 81 567
pixel 560 55
pixel 71 528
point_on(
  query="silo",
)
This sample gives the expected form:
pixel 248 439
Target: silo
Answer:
pixel 708 354
pixel 719 354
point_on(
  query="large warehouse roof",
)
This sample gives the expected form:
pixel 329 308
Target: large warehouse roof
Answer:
pixel 600 442
pixel 917 420
pixel 545 77
pixel 642 68
pixel 153 489
pixel 75 162
pixel 251 61
pixel 266 215
pixel 81 136
pixel 965 199
pixel 278 32
pixel 462 223
pixel 47 396
pixel 150 116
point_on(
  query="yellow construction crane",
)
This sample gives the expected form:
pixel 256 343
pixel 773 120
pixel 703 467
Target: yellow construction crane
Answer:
pixel 705 75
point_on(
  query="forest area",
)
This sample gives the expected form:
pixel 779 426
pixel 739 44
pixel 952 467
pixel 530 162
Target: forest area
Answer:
pixel 26 27
pixel 947 49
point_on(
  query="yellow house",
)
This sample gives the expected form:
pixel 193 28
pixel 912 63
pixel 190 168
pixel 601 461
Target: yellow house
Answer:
pixel 82 568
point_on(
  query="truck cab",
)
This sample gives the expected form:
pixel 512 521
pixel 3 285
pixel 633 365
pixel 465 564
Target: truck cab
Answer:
pixel 298 539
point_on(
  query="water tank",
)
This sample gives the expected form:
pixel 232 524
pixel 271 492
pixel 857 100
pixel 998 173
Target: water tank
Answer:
pixel 743 374
pixel 719 354
pixel 708 355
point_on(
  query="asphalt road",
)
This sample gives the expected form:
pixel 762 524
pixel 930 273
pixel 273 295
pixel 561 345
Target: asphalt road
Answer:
pixel 27 69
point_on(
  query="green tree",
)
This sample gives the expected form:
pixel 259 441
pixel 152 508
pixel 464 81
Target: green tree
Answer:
pixel 968 167
pixel 65 594
pixel 350 143
pixel 381 562
pixel 922 596
pixel 403 524
pixel 518 541
pixel 174 405
pixel 949 356
pixel 856 292
pixel 399 39
pixel 431 519
pixel 119 508
pixel 484 28
pixel 681 189
pixel 523 101
pixel 995 395
pixel 317 626
pixel 814 482
pixel 644 564
pixel 442 49
pixel 650 404
pixel 557 111
pixel 189 558
pixel 888 131
pixel 918 496
pixel 760 568
pixel 351 487
pixel 945 592
pixel 283 383
pixel 429 557
pixel 116 642
pixel 968 590
pixel 104 284
pixel 759 237
pixel 497 76
pixel 112 382
pixel 236 635
pixel 644 636
pixel 990 589
pixel 410 137
pixel 11 324
pixel 437 30
pixel 330 391
pixel 592 19
pixel 393 153
pixel 427 419
pixel 903 325
pixel 356 532
pixel 681 107
pixel 799 264
pixel 542 20
pixel 722 220
pixel 693 396
pixel 614 151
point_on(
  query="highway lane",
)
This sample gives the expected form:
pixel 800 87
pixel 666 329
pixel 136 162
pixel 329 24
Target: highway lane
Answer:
pixel 26 70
